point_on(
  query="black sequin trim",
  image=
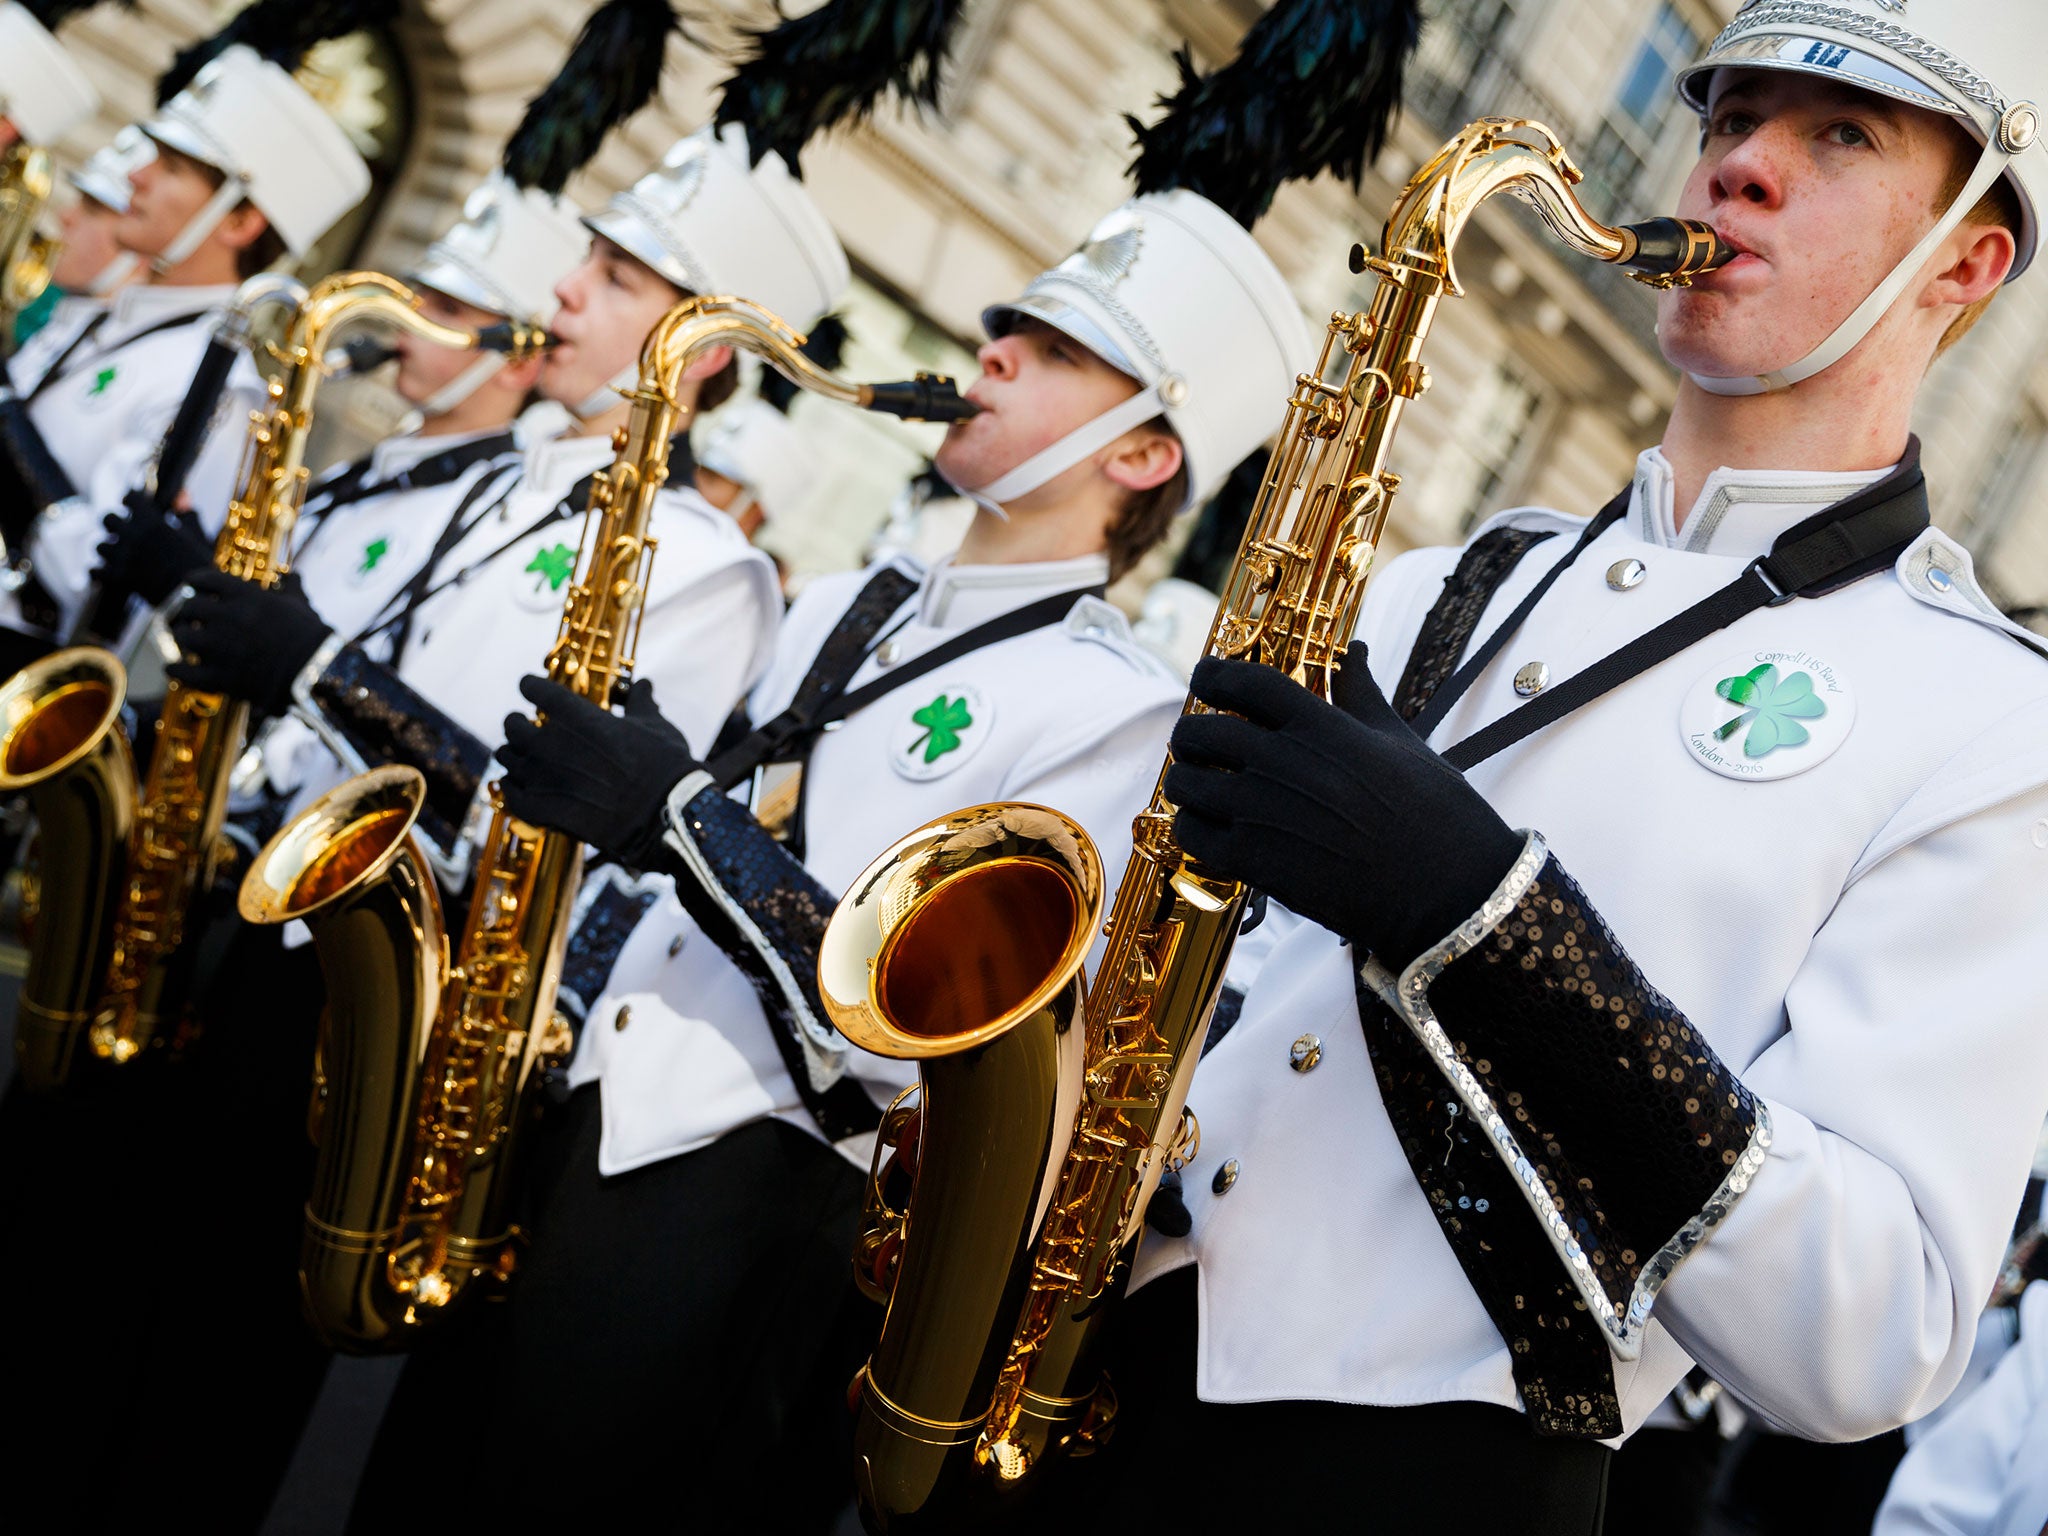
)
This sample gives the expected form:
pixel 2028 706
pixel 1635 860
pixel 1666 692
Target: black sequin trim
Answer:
pixel 766 913
pixel 596 943
pixel 387 722
pixel 1448 630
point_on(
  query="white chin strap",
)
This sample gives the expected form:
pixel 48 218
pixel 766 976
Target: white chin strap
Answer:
pixel 1066 453
pixel 113 274
pixel 203 223
pixel 1990 166
pixel 607 394
pixel 461 387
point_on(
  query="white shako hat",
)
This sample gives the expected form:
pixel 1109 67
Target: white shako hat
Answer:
pixel 250 120
pixel 1176 293
pixel 1982 62
pixel 761 450
pixel 104 177
pixel 507 251
pixel 43 92
pixel 709 222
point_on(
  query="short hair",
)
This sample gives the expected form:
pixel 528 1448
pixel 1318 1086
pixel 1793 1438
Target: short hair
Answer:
pixel 1999 206
pixel 260 254
pixel 1146 515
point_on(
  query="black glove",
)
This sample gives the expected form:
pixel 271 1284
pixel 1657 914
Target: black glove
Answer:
pixel 245 641
pixel 148 552
pixel 596 775
pixel 1339 811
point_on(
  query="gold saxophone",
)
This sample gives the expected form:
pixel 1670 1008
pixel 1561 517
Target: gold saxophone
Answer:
pixel 120 869
pixel 1035 1146
pixel 427 1069
pixel 27 255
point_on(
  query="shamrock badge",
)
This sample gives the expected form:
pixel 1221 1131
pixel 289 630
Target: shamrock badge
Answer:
pixel 373 551
pixel 943 720
pixel 100 382
pixel 1790 710
pixel 555 565
pixel 938 736
pixel 1772 708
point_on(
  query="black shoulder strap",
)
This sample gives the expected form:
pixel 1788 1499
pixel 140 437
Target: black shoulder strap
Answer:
pixel 353 484
pixel 817 707
pixel 56 369
pixel 1846 542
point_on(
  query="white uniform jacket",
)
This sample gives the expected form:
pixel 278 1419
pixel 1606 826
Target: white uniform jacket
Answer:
pixel 1853 924
pixel 707 628
pixel 1983 1470
pixel 1074 716
pixel 103 416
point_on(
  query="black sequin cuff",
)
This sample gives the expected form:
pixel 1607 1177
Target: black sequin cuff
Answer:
pixel 384 721
pixel 765 911
pixel 1628 1137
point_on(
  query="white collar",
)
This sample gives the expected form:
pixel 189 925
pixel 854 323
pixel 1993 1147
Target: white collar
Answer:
pixel 960 596
pixel 146 303
pixel 1740 512
pixel 558 463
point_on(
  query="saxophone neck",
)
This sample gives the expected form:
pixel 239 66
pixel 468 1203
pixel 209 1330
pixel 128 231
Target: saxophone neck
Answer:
pixel 1500 154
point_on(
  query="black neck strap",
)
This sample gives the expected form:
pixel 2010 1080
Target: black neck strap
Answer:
pixel 819 706
pixel 353 484
pixel 1843 543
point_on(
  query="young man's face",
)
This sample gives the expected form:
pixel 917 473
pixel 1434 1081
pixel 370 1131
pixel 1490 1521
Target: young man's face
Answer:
pixel 166 191
pixel 609 304
pixel 424 367
pixel 89 244
pixel 1037 384
pixel 1824 190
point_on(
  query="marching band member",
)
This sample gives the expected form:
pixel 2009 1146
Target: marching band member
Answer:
pixel 708 1165
pixel 1672 885
pixel 247 168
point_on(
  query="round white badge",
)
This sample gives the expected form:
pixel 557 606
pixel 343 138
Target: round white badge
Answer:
pixel 941 727
pixel 1766 714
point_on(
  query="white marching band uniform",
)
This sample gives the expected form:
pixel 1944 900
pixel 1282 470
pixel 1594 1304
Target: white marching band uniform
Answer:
pixel 1073 715
pixel 1878 903
pixel 103 406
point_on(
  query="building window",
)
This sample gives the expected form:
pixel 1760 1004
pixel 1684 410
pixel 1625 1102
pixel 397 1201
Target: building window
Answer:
pixel 1644 106
pixel 1461 70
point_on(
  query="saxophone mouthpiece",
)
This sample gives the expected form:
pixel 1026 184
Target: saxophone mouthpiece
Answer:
pixel 514 338
pixel 359 355
pixel 928 397
pixel 1670 253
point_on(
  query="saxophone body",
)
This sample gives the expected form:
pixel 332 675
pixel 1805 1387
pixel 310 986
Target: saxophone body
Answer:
pixel 122 865
pixel 428 1065
pixel 27 255
pixel 944 1424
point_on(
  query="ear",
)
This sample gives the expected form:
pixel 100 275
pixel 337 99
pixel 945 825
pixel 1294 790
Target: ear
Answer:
pixel 1142 458
pixel 241 228
pixel 1980 256
pixel 708 364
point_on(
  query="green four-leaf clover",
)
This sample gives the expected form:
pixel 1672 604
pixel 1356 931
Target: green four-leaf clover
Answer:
pixel 1772 709
pixel 943 720
pixel 555 564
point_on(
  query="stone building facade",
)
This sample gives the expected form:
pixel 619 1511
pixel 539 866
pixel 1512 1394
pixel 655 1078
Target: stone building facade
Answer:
pixel 1547 379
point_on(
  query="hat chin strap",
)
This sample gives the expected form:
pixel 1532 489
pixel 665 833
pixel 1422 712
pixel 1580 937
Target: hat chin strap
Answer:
pixel 113 274
pixel 606 395
pixel 1063 455
pixel 461 387
pixel 1990 166
pixel 203 223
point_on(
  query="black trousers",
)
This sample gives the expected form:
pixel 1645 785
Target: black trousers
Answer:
pixel 674 1351
pixel 154 1364
pixel 1177 1463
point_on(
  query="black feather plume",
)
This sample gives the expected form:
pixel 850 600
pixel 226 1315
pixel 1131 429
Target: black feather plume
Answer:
pixel 283 31
pixel 613 71
pixel 824 346
pixel 53 13
pixel 832 66
pixel 1313 88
